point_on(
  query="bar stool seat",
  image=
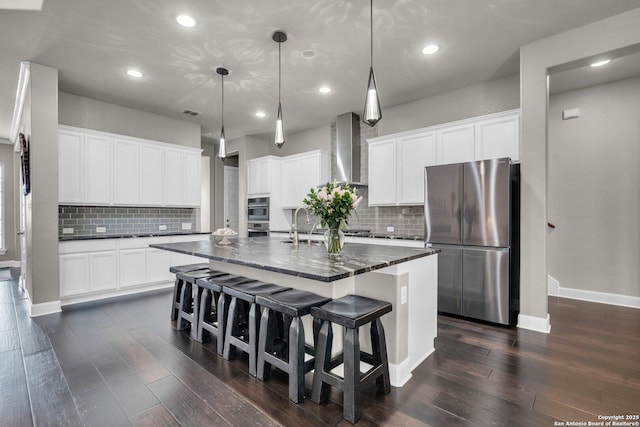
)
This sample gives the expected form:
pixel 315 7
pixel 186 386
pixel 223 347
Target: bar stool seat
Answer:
pixel 177 287
pixel 351 312
pixel 212 307
pixel 242 331
pixel 286 349
pixel 188 298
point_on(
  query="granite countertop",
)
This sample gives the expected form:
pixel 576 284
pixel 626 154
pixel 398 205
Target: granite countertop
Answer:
pixel 70 238
pixel 307 261
pixel 392 236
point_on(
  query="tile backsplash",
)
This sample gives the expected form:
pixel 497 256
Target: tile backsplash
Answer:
pixel 122 220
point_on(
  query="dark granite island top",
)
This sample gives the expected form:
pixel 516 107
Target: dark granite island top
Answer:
pixel 307 261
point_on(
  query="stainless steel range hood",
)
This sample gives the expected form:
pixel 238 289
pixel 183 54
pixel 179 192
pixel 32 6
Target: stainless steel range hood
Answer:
pixel 348 149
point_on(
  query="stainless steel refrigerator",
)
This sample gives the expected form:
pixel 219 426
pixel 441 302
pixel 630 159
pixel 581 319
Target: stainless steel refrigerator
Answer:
pixel 472 216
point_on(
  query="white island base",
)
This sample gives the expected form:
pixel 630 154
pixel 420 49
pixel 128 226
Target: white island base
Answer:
pixel 411 287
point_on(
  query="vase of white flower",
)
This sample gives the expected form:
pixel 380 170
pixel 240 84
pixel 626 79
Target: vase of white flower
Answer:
pixel 333 204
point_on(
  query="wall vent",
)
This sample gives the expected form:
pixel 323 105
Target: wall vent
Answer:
pixel 191 112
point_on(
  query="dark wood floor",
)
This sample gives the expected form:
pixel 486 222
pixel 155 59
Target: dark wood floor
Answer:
pixel 121 363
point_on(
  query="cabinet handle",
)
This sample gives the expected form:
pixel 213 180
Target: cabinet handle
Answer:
pixel 550 225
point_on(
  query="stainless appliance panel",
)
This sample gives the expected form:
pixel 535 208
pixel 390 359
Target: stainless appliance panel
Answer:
pixel 258 209
pixel 485 285
pixel 449 279
pixel 443 204
pixel 487 203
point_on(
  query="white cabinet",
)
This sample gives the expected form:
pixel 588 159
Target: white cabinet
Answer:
pixel 397 162
pixel 70 167
pixel 182 178
pixel 151 174
pixel 258 172
pixel 300 173
pixel 382 172
pixel 456 144
pixel 99 168
pixel 126 172
pixel 101 268
pixel 84 165
pixel 498 137
pixel 414 153
pixel 396 168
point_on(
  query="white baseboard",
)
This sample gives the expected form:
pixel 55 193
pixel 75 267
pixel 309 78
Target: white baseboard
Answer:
pixel 600 297
pixel 538 324
pixel 10 263
pixel 556 290
pixel 400 373
pixel 70 300
pixel 44 308
pixel 553 286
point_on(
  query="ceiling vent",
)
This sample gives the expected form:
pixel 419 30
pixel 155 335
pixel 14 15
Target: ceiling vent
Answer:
pixel 191 112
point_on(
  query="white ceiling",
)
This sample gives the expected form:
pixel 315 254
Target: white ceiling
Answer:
pixel 92 42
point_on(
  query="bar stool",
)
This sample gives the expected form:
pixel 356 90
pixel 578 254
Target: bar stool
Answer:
pixel 212 307
pixel 177 287
pixel 188 311
pixel 351 312
pixel 287 352
pixel 241 331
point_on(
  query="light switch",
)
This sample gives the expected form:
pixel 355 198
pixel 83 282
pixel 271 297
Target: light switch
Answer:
pixel 67 230
pixel 186 226
pixel 162 227
pixel 403 295
pixel 390 229
pixel 101 229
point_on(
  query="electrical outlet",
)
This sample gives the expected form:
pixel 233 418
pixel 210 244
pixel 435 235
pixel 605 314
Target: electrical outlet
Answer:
pixel 390 229
pixel 162 227
pixel 101 229
pixel 403 295
pixel 186 226
pixel 67 230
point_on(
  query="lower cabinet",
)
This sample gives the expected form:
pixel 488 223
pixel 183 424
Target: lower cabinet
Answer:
pixel 95 269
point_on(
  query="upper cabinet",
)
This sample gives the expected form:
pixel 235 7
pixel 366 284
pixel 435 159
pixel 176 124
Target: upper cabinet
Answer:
pixel 300 173
pixel 98 168
pixel 259 171
pixel 397 162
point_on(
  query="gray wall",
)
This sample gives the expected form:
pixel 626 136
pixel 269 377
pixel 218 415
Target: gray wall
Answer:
pixel 594 189
pixel 311 139
pixel 89 113
pixel 535 61
pixel 7 158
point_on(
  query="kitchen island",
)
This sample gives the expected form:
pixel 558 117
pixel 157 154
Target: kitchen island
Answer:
pixel 406 277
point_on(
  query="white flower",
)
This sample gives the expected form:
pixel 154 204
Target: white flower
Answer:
pixel 322 195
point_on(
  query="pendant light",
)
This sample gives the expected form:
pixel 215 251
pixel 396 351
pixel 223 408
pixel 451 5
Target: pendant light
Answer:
pixel 372 112
pixel 222 150
pixel 279 37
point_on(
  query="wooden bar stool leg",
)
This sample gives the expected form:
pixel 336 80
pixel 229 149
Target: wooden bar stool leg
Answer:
pixel 232 329
pixel 320 390
pixel 177 289
pixel 203 312
pixel 221 310
pixel 196 313
pixel 296 360
pixel 351 390
pixel 253 334
pixel 186 299
pixel 379 347
pixel 265 344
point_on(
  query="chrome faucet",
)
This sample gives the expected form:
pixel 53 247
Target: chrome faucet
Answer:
pixel 315 224
pixel 296 240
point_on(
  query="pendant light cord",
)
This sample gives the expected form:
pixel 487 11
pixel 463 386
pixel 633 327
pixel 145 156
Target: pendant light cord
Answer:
pixel 222 88
pixel 371 30
pixel 279 70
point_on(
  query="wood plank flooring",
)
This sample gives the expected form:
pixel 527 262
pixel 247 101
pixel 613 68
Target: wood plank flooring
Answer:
pixel 120 363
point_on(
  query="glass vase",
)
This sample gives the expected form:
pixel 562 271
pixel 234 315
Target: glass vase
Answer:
pixel 333 241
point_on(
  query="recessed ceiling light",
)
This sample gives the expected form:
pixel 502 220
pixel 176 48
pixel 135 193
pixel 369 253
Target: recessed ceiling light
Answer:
pixel 186 21
pixel 134 73
pixel 430 49
pixel 309 54
pixel 600 63
pixel 261 114
pixel 324 89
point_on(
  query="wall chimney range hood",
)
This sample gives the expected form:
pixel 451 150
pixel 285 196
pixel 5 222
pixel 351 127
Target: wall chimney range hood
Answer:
pixel 348 150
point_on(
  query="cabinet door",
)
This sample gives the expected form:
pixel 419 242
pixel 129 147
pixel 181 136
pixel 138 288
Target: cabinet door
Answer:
pixel 74 274
pixel 158 264
pixel 173 177
pixel 126 162
pixel 415 152
pixel 382 172
pixel 192 183
pixel 132 267
pixel 497 138
pixel 151 174
pixel 70 167
pixel 456 144
pixel 98 169
pixel 253 167
pixel 310 177
pixel 291 183
pixel 102 271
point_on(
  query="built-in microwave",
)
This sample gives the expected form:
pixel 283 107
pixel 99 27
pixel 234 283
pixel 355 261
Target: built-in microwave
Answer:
pixel 258 209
